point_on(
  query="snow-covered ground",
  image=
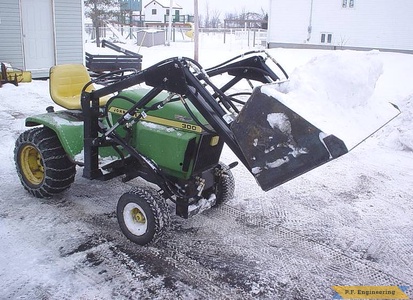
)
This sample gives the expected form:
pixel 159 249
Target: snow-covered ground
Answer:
pixel 348 222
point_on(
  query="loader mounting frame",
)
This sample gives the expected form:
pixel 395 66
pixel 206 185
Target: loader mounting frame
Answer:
pixel 182 76
pixel 186 80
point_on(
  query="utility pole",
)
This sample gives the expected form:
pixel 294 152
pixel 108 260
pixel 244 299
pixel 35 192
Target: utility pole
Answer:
pixel 196 31
pixel 168 39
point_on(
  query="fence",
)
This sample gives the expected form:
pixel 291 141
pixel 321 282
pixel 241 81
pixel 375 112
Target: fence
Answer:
pixel 252 37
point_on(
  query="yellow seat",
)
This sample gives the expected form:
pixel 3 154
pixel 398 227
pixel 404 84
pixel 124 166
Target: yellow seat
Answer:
pixel 66 84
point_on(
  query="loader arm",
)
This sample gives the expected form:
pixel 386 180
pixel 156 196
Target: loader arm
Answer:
pixel 287 153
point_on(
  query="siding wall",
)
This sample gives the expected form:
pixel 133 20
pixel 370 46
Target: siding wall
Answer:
pixel 371 23
pixel 68 21
pixel 288 21
pixel 69 31
pixel 160 12
pixel 11 50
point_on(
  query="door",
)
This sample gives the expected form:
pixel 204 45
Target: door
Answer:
pixel 38 38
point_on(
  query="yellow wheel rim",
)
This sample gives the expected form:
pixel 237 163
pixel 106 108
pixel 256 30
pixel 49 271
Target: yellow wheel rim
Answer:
pixel 135 219
pixel 31 165
pixel 138 216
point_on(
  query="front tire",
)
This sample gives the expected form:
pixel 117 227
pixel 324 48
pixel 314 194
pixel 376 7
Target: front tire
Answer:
pixel 225 185
pixel 143 215
pixel 42 164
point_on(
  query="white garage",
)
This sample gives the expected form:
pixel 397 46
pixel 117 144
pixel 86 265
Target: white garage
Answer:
pixel 342 24
pixel 36 35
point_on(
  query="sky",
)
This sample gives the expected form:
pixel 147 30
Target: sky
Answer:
pixel 232 6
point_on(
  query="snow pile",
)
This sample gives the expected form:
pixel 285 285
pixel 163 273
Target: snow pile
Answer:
pixel 399 135
pixel 346 78
pixel 335 92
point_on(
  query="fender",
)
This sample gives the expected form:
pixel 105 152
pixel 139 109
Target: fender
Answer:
pixel 68 126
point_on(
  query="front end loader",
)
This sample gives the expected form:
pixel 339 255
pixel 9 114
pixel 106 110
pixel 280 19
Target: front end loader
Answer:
pixel 168 124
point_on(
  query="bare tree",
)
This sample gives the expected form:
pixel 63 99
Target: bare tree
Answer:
pixel 247 19
pixel 201 20
pixel 215 19
pixel 264 19
pixel 206 18
pixel 98 11
pixel 234 19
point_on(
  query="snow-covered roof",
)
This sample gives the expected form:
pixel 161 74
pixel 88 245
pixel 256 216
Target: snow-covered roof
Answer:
pixel 165 4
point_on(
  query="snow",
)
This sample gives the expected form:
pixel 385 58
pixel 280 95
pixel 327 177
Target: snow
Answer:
pixel 279 121
pixel 160 127
pixel 335 83
pixel 348 222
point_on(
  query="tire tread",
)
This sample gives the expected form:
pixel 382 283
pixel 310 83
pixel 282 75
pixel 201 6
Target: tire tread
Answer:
pixel 59 170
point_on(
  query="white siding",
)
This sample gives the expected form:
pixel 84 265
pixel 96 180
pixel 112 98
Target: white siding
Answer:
pixel 289 20
pixel 161 8
pixel 370 23
pixel 69 31
pixel 160 12
pixel 10 33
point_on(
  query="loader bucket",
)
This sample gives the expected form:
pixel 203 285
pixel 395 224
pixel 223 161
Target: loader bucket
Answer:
pixel 278 144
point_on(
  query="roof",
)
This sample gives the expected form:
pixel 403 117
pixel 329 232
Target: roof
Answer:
pixel 165 4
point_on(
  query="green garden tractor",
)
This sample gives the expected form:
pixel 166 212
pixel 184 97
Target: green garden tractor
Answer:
pixel 168 124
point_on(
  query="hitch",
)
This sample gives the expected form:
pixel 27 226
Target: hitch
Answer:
pixel 5 78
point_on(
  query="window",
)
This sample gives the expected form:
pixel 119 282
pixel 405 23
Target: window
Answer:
pixel 154 11
pixel 347 3
pixel 326 38
pixel 167 12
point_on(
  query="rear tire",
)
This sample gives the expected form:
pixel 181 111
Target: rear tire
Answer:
pixel 42 164
pixel 143 215
pixel 225 185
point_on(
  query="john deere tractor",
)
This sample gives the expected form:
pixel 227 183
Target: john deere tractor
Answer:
pixel 168 124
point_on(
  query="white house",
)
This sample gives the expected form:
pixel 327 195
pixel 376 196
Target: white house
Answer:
pixel 157 11
pixel 35 35
pixel 341 24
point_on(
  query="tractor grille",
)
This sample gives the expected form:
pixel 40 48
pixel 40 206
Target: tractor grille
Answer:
pixel 208 153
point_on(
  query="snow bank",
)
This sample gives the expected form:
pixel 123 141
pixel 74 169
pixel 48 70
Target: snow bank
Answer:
pixel 345 78
pixel 399 134
pixel 335 93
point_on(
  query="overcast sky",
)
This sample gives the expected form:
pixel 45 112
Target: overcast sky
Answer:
pixel 224 6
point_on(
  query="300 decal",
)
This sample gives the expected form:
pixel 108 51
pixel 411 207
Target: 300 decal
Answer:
pixel 189 127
